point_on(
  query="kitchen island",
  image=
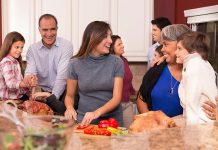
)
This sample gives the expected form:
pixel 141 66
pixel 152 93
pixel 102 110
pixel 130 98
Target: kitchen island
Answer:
pixel 189 137
pixel 204 136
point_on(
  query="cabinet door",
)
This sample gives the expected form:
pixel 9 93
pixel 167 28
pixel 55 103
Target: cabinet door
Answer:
pixel 133 25
pixel 18 16
pixel 129 19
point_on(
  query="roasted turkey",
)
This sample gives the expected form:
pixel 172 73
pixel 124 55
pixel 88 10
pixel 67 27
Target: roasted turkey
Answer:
pixel 35 107
pixel 151 120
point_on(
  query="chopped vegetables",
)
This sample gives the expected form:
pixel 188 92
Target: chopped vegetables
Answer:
pixel 106 127
pixel 80 127
pixel 113 130
pixel 117 132
pixel 97 131
pixel 108 123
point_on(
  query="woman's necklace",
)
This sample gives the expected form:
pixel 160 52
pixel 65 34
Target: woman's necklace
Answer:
pixel 171 85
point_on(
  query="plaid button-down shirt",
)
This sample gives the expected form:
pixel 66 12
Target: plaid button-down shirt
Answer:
pixel 10 78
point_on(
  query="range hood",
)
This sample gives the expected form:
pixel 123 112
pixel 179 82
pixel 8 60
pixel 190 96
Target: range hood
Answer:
pixel 203 14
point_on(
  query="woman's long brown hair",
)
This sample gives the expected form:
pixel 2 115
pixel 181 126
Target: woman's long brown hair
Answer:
pixel 94 33
pixel 9 40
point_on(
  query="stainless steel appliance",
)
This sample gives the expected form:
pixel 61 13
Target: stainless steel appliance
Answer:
pixel 211 29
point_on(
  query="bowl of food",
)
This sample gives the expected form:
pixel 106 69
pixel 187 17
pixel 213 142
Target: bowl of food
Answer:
pixel 45 132
pixel 51 141
pixel 32 131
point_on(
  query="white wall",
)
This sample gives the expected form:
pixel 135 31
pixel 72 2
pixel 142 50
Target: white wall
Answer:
pixel 128 18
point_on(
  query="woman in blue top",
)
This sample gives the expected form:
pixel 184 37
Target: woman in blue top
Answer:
pixel 98 77
pixel 159 89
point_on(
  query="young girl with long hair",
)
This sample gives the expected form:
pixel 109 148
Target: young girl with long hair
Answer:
pixel 12 84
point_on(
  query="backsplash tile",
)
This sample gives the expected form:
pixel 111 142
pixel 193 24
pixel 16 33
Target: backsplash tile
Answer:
pixel 138 71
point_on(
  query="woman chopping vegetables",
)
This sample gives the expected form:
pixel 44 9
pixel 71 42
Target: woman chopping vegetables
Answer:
pixel 98 77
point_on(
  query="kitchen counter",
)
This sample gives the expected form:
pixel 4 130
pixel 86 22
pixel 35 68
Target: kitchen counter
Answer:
pixel 202 137
pixel 189 137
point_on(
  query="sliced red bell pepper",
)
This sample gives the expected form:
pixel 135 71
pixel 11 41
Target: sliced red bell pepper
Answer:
pixel 90 130
pixel 102 131
pixel 107 133
pixel 79 127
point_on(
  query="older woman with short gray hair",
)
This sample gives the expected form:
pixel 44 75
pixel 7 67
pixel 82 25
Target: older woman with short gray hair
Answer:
pixel 172 32
pixel 159 88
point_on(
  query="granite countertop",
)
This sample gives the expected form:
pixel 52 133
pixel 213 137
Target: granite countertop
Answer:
pixel 189 137
pixel 204 136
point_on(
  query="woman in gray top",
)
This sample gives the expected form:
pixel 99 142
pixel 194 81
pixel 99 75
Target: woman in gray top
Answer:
pixel 98 77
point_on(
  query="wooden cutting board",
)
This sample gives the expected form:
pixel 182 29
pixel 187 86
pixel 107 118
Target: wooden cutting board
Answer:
pixel 89 136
